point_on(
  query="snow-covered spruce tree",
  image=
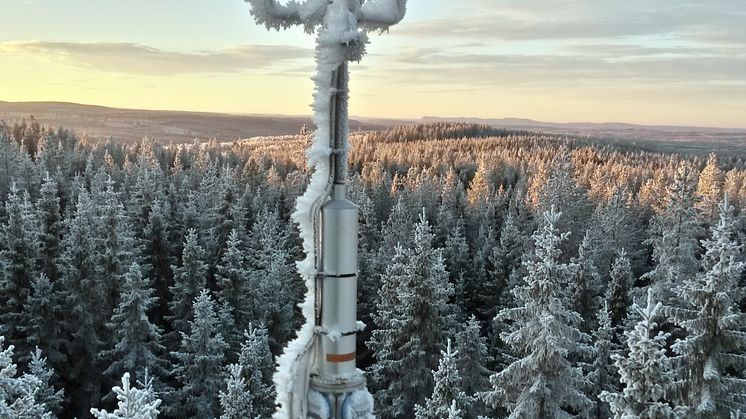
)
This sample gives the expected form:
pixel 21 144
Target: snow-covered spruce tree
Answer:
pixel 173 213
pixel 675 237
pixel 47 154
pixel 50 227
pixel 732 186
pixel 471 360
pixel 137 341
pixel 480 190
pixel 556 187
pixel 479 285
pixel 83 375
pixel 396 231
pixel 17 394
pixel 710 358
pixel 451 208
pixel 43 320
pixel 235 290
pixel 618 291
pixel 228 329
pixel 448 388
pixel 19 248
pixel 585 286
pixel 413 319
pixel 157 258
pixel 249 382
pixel 645 371
pixel 45 393
pixel 602 376
pixel 257 367
pixel 456 258
pixel 542 382
pixel 710 189
pixel 425 188
pixel 367 289
pixel 236 401
pixel 189 279
pixel 378 186
pixel 134 403
pixel 115 250
pixel 199 365
pixel 242 212
pixel 145 175
pixel 189 211
pixel 506 258
pixel 274 285
pixel 615 225
pixel 218 221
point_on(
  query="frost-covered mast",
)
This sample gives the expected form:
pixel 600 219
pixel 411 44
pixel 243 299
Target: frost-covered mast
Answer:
pixel 316 375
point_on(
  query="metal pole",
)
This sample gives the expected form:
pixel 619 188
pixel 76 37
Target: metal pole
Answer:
pixel 335 375
pixel 339 123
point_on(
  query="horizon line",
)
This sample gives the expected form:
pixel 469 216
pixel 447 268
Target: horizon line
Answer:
pixel 421 119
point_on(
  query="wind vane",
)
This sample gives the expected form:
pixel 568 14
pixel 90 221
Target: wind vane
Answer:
pixel 316 375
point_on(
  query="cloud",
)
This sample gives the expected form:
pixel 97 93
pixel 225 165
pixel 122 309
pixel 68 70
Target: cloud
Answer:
pixel 580 66
pixel 145 60
pixel 719 21
pixel 583 44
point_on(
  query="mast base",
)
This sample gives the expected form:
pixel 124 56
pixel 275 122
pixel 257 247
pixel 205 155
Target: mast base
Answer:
pixel 339 397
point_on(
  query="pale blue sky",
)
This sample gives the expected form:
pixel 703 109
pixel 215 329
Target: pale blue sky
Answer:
pixel 644 61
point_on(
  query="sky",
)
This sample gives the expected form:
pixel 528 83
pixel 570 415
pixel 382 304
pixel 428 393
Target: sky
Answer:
pixel 679 62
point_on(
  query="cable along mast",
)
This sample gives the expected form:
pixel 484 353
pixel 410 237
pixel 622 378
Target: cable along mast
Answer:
pixel 316 375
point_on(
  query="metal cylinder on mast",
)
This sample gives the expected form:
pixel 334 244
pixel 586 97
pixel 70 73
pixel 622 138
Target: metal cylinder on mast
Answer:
pixel 339 237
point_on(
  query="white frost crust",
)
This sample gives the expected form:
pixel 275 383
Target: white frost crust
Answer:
pixel 291 377
pixel 320 405
pixel 359 405
pixel 380 14
pixel 313 10
pixel 334 335
pixel 274 15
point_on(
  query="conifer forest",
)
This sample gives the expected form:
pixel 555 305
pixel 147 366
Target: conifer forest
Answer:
pixel 502 274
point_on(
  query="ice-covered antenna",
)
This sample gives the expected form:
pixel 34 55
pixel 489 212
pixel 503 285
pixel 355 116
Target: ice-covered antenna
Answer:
pixel 316 375
pixel 370 14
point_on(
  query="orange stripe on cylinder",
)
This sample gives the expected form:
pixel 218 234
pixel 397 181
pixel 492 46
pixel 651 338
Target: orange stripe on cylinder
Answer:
pixel 340 358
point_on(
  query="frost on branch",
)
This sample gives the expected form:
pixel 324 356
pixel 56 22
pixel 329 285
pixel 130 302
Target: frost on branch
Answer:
pixel 134 403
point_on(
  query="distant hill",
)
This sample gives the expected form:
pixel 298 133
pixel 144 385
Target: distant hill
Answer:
pixel 132 125
pixel 691 140
pixel 524 123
